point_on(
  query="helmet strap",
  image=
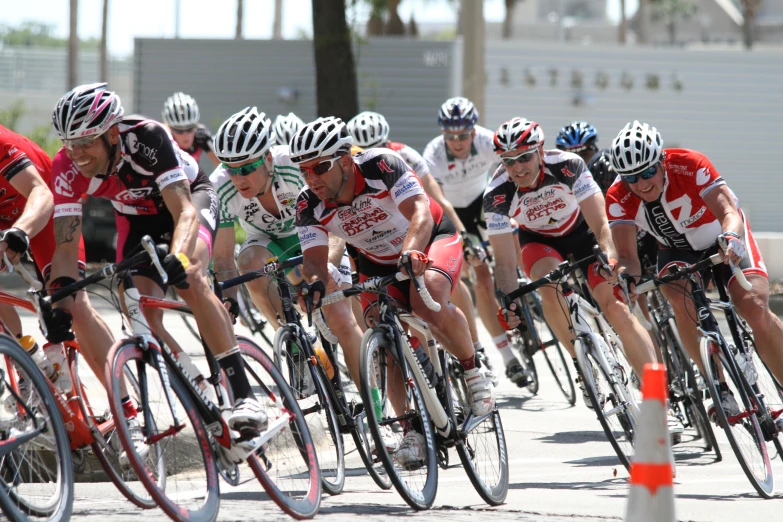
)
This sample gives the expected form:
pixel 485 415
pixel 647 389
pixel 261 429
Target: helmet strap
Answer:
pixel 342 185
pixel 113 152
pixel 269 179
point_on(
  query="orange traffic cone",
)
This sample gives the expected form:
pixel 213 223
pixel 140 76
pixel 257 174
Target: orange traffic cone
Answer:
pixel 651 498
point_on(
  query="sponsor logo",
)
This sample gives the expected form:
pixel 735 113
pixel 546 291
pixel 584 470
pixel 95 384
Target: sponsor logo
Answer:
pixel 133 194
pixel 12 150
pixel 306 236
pixel 405 188
pixel 567 173
pixel 301 206
pixel 702 176
pixel 499 200
pixel 452 264
pixel 540 196
pixel 136 146
pixel 625 198
pixel 537 212
pixel 616 210
pixel 694 218
pixel 251 209
pixel 496 225
pixel 397 240
pixel 384 167
pixel 451 166
pixel 364 222
pixel 497 218
pixel 660 223
pixel 681 170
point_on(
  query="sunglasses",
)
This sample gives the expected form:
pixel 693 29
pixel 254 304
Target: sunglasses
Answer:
pixel 321 168
pixel 645 174
pixel 183 131
pixel 80 143
pixel 244 170
pixel 509 161
pixel 464 136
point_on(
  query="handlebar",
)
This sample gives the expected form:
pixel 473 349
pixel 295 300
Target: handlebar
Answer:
pixel 377 283
pixel 24 273
pixel 680 273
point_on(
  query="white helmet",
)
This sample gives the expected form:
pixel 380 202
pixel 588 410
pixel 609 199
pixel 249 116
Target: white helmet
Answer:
pixel 636 148
pixel 180 111
pixel 87 110
pixel 245 135
pixel 369 129
pixel 518 133
pixel 319 138
pixel 285 127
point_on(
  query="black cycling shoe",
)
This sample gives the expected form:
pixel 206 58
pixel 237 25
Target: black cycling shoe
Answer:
pixel 518 375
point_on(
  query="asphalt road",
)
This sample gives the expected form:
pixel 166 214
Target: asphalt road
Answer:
pixel 562 468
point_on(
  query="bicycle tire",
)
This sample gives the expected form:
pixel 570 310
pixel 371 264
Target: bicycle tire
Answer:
pixel 772 392
pixel 178 456
pixel 494 493
pixel 107 447
pixel 317 407
pixel 619 430
pixel 558 365
pixel 15 503
pixel 759 472
pixel 375 344
pixel 374 466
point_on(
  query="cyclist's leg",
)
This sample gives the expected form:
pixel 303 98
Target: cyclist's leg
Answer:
pixel 252 256
pixel 147 282
pixel 340 318
pixel 464 302
pixel 11 319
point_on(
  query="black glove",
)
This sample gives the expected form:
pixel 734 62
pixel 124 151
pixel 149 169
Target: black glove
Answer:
pixel 176 273
pixel 17 240
pixel 233 309
pixel 58 323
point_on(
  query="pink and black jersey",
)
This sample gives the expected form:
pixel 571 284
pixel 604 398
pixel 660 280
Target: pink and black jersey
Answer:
pixel 150 161
pixel 551 208
pixel 202 142
pixel 372 223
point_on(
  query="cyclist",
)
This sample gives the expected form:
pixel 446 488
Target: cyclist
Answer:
pixel 461 159
pixel 156 190
pixel 284 128
pixel 560 211
pixel 181 116
pixel 370 129
pixel 257 184
pixel 376 203
pixel 678 196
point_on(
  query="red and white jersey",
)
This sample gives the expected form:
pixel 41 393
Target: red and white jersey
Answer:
pixel 16 154
pixel 372 222
pixel 411 156
pixel 551 208
pixel 679 219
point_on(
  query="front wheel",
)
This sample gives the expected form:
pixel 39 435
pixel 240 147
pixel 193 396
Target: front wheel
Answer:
pixel 556 359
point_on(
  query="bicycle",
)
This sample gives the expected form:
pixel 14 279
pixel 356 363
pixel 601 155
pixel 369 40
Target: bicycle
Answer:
pixel 293 345
pixel 31 429
pixel 732 364
pixel 88 426
pixel 601 362
pixel 177 417
pixel 387 361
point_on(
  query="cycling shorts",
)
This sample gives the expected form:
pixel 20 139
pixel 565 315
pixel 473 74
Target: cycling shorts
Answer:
pixel 472 217
pixel 282 248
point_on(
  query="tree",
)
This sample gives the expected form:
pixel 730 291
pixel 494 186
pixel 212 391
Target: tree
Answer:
pixel 623 28
pixel 35 34
pixel 508 21
pixel 73 45
pixel 277 25
pixel 104 43
pixel 240 19
pixel 671 11
pixel 335 71
pixel 749 10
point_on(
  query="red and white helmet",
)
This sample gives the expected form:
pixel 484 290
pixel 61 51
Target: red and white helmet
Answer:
pixel 87 110
pixel 518 133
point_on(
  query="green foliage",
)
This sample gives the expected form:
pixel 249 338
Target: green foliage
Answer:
pixel 669 10
pixel 36 34
pixel 40 135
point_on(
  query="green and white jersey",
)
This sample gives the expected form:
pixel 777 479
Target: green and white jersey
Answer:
pixel 286 185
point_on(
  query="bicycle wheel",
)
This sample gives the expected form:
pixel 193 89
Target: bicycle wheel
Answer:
pixel 558 363
pixel 415 479
pixel 179 468
pixel 287 465
pixel 96 412
pixel 742 430
pixel 36 476
pixel 308 387
pixel 610 407
pixel 772 393
pixel 481 446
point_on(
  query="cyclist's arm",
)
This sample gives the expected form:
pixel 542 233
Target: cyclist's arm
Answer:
pixel 624 236
pixel 176 196
pixel 223 258
pixel 721 203
pixel 314 264
pixel 65 260
pixel 504 247
pixel 336 249
pixel 40 203
pixel 594 210
pixel 432 188
pixel 416 210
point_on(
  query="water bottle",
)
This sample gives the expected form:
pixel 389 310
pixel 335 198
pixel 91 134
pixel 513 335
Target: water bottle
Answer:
pixel 424 361
pixel 55 353
pixel 34 351
pixel 327 364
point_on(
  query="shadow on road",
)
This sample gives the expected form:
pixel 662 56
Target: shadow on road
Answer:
pixel 574 437
pixel 605 485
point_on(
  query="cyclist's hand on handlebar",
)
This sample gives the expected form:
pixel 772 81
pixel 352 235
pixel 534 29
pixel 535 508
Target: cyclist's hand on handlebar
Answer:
pixel 232 306
pixel 630 283
pixel 310 295
pixel 509 319
pixel 58 322
pixel 474 254
pixel 419 262
pixel 14 244
pixel 176 270
pixel 732 247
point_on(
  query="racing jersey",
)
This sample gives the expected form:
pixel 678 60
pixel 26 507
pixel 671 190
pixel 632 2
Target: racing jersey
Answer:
pixel 372 222
pixel 679 219
pixel 551 208
pixel 16 154
pixel 252 216
pixel 462 181
pixel 150 161
pixel 202 141
pixel 411 157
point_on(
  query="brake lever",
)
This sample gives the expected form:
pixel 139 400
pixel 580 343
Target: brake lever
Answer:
pixel 308 299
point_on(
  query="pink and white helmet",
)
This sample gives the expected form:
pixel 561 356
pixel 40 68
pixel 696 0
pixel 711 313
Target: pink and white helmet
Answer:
pixel 518 133
pixel 86 111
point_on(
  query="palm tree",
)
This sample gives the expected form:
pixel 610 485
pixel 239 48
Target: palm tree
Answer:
pixel 240 17
pixel 73 45
pixel 623 29
pixel 335 70
pixel 277 25
pixel 104 43
pixel 749 10
pixel 508 27
pixel 671 11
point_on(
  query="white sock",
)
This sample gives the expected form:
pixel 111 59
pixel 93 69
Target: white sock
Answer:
pixel 504 347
